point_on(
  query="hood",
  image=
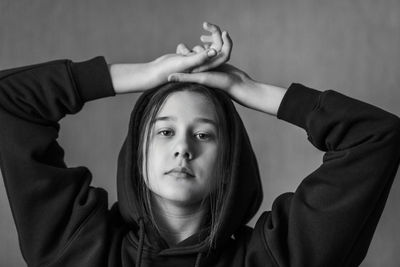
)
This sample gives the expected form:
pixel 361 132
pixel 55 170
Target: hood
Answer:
pixel 244 191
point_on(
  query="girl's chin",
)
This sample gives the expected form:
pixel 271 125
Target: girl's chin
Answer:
pixel 179 197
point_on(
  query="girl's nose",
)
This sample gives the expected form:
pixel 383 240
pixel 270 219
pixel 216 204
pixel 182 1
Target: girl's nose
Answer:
pixel 185 155
pixel 183 150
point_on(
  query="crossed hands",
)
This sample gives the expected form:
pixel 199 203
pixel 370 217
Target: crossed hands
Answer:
pixel 217 45
pixel 138 77
pixel 213 70
pixel 204 64
pixel 214 52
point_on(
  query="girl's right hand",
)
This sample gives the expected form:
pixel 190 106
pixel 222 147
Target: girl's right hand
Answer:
pixel 139 77
pixel 128 78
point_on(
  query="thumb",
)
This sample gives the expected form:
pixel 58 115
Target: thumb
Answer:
pixel 197 59
pixel 210 79
pixel 190 77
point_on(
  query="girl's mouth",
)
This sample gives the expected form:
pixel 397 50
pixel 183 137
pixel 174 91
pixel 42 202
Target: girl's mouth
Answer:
pixel 181 172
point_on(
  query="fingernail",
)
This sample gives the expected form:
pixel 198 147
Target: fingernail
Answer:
pixel 172 78
pixel 211 52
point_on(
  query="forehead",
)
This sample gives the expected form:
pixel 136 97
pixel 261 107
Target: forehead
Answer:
pixel 186 105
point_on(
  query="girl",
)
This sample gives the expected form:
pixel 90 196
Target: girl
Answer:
pixel 188 180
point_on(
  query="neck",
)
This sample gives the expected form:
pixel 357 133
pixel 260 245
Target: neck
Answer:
pixel 177 222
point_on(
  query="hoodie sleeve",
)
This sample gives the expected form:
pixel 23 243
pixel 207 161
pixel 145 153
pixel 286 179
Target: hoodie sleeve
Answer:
pixel 331 217
pixel 51 203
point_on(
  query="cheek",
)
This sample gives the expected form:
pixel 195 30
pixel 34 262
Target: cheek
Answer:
pixel 156 159
pixel 212 158
pixel 209 164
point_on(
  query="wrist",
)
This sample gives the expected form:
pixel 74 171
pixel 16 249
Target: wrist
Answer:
pixel 129 78
pixel 271 97
pixel 155 73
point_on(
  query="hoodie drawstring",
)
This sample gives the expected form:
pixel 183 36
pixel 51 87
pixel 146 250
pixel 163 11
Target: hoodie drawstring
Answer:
pixel 141 241
pixel 197 264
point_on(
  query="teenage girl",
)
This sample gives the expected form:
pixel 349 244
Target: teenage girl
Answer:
pixel 188 179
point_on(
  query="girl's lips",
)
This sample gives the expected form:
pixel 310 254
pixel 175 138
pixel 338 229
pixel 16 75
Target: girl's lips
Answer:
pixel 181 171
pixel 180 174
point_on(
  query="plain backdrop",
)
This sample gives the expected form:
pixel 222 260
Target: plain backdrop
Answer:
pixel 348 46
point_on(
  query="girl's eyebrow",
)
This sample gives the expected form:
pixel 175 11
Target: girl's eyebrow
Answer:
pixel 198 119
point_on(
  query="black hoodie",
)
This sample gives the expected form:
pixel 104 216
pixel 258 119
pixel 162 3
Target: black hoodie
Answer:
pixel 63 221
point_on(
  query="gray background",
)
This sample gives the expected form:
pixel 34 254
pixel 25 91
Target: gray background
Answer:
pixel 349 46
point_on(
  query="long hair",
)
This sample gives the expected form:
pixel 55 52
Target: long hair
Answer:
pixel 222 171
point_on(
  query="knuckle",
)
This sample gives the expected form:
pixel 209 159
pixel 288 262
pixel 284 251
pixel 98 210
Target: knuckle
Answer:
pixel 181 65
pixel 201 79
pixel 199 60
pixel 215 29
pixel 197 70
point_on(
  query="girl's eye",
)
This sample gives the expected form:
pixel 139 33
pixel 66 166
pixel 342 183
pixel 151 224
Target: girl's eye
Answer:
pixel 199 136
pixel 203 136
pixel 165 133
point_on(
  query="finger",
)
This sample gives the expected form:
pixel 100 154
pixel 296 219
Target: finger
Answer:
pixel 227 46
pixel 178 49
pixel 215 35
pixel 201 78
pixel 182 49
pixel 211 28
pixel 222 57
pixel 198 49
pixel 210 65
pixel 193 60
pixel 210 79
pixel 206 38
pixel 182 77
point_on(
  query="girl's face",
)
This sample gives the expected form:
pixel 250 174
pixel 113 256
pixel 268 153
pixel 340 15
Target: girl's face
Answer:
pixel 183 149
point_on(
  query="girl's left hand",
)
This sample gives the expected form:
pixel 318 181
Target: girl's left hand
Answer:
pixel 240 87
pixel 214 73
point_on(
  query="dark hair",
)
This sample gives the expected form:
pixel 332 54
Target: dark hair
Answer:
pixel 216 199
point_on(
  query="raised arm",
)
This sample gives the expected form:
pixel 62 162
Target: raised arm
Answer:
pixel 331 218
pixel 51 204
pixel 55 209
